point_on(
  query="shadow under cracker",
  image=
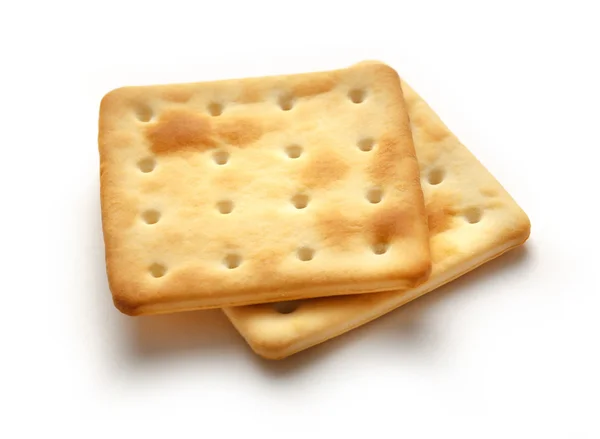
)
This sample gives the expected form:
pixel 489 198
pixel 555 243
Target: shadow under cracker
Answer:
pixel 501 265
pixel 403 322
pixel 204 332
pixel 407 324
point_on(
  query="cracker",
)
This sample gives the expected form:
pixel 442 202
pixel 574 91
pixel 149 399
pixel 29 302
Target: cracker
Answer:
pixel 472 219
pixel 260 189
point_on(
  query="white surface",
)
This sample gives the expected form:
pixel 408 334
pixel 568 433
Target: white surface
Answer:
pixel 511 350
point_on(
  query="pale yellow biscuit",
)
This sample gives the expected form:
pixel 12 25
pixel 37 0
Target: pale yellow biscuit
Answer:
pixel 260 189
pixel 472 219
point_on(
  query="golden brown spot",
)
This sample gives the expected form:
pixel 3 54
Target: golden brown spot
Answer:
pixel 183 130
pixel 267 262
pixel 384 166
pixel 389 222
pixel 269 258
pixel 488 192
pixel 179 130
pixel 250 95
pixel 238 131
pixel 336 229
pixel 324 168
pixel 311 87
pixel 179 95
pixel 440 212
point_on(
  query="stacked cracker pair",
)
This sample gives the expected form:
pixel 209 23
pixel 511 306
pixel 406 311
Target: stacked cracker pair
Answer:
pixel 303 205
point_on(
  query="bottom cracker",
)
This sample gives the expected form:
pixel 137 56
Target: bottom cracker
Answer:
pixel 472 219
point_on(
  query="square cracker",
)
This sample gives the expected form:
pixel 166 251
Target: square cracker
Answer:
pixel 472 219
pixel 260 189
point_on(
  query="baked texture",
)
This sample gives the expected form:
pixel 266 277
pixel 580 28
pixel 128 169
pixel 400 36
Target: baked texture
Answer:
pixel 254 190
pixel 471 217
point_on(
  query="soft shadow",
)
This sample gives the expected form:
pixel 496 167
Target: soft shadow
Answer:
pixel 208 332
pixel 409 314
pixel 294 364
pixel 404 323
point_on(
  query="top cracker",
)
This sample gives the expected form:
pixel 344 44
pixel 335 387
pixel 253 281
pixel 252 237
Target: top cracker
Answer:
pixel 254 190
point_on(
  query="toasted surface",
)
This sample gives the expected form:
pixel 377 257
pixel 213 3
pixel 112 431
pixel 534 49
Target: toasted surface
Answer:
pixel 471 217
pixel 260 189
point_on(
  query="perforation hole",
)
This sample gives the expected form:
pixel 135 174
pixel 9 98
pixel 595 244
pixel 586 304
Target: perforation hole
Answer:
pixel 225 206
pixel 147 165
pixel 366 144
pixel 300 201
pixel 305 254
pixel 286 307
pixel 436 176
pixel 232 260
pixel 221 157
pixel 375 195
pixel 357 95
pixel 293 151
pixel 380 248
pixel 157 270
pixel 286 102
pixel 473 215
pixel 151 216
pixel 143 113
pixel 215 109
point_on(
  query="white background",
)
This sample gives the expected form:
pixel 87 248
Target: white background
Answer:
pixel 511 350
